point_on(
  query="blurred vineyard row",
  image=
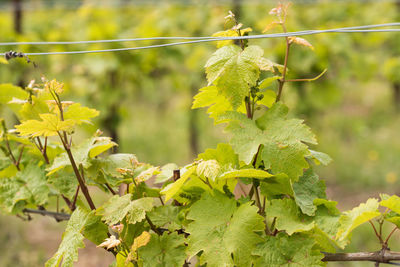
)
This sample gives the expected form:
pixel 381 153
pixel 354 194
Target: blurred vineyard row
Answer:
pixel 145 96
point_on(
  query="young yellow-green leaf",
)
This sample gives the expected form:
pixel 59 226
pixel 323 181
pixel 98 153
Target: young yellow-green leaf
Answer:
pixel 117 208
pixel 210 96
pixel 72 240
pixel 49 125
pixel 31 110
pixel 357 216
pixel 234 71
pixel 245 173
pixel 209 168
pixel 268 81
pixel 162 251
pixel 221 229
pixel 289 216
pixel 392 203
pixel 284 149
pixel 294 251
pixel 223 154
pixel 80 114
pixel 308 188
pixel 227 33
pixel 172 189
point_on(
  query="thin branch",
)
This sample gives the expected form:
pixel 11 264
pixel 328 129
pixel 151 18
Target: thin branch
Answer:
pixel 390 235
pixel 376 232
pixel 84 188
pixel 58 216
pixel 377 256
pixel 20 155
pixel 283 79
pixel 110 188
pixel 308 79
pixel 75 198
pixel 152 226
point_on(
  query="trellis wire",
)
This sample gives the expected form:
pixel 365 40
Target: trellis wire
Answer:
pixel 356 29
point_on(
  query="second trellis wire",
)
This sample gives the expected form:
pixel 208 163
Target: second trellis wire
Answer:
pixel 356 29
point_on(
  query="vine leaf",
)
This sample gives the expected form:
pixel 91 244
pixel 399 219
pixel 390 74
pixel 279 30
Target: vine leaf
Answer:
pixel 392 203
pixel 357 216
pixel 49 125
pixel 117 208
pixel 80 114
pixel 28 186
pixel 72 240
pixel 88 149
pixel 320 157
pixel 223 154
pixel 245 173
pixel 282 139
pixel 289 217
pixel 234 71
pixel 208 168
pixel 282 250
pixel 172 189
pixel 308 188
pixel 165 250
pixel 221 229
pixel 209 96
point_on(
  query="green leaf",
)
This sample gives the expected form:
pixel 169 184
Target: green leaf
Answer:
pixel 234 71
pixel 392 203
pixel 167 172
pixel 282 139
pixel 289 217
pixel 327 220
pixel 166 217
pixel 209 169
pixel 88 149
pixel 278 185
pixel 268 81
pixel 220 229
pixel 80 114
pixel 95 230
pixel 245 173
pixel 8 92
pixel 172 189
pixel 72 240
pixel 64 183
pixel 117 208
pixel 308 188
pixel 227 33
pixel 28 186
pixel 320 158
pixel 165 250
pixel 210 96
pixel 357 216
pixel 223 154
pixel 49 125
pixel 294 251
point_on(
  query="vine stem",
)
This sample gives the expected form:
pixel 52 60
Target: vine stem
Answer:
pixel 82 184
pixel 390 235
pixel 376 232
pixel 283 79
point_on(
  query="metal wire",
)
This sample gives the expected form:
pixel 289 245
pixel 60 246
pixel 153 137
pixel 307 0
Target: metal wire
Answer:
pixel 356 29
pixel 210 38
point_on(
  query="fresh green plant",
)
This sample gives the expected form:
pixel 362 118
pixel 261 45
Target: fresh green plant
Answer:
pixel 253 202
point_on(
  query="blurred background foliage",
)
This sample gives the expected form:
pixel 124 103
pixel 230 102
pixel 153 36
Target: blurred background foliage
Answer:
pixel 145 96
